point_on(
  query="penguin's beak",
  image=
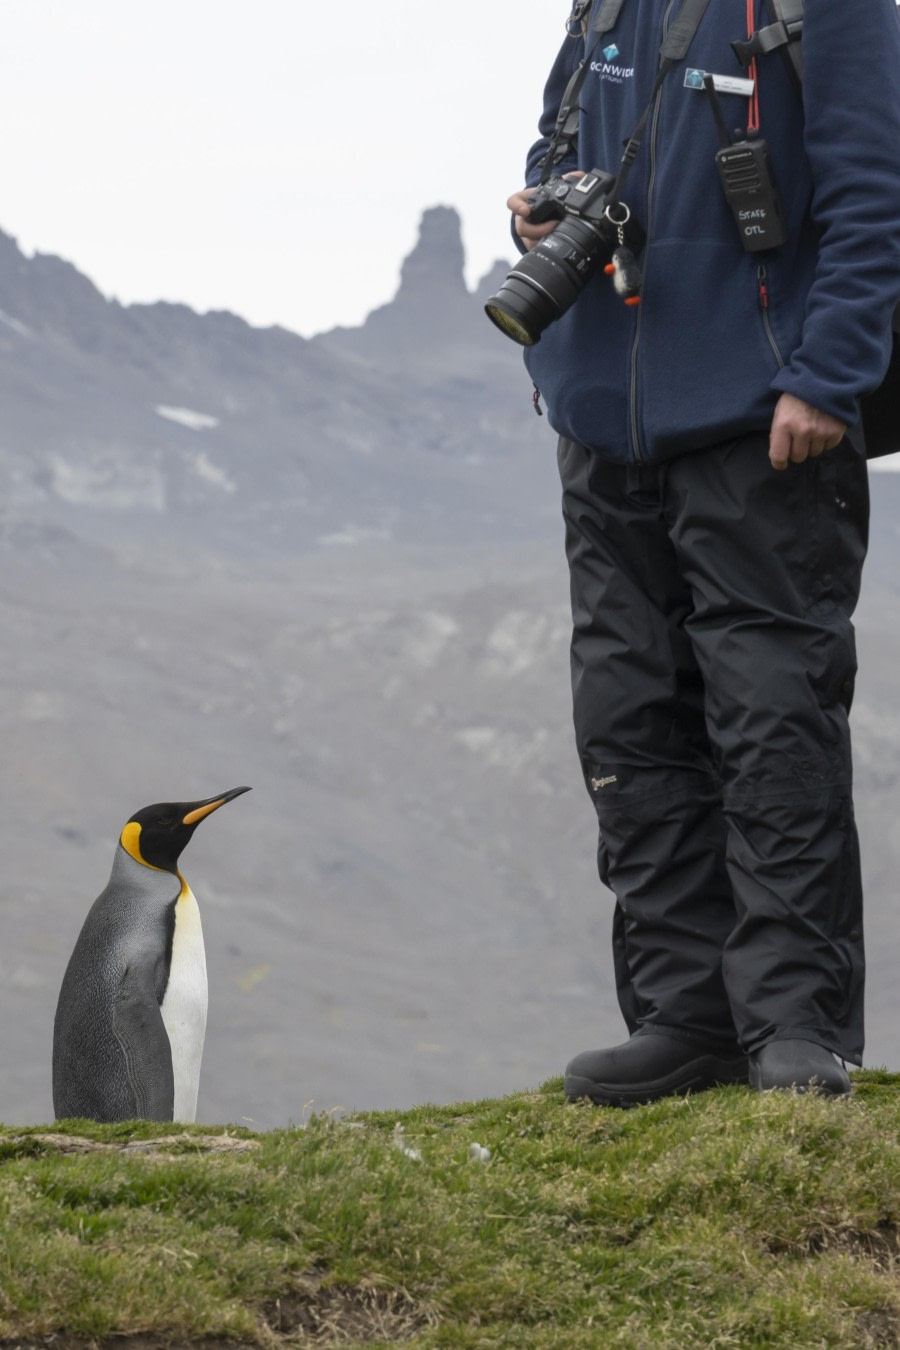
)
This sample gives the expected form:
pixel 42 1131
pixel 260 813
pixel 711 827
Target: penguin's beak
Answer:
pixel 201 809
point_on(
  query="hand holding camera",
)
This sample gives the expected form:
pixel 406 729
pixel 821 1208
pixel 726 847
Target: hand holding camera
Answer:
pixel 531 232
pixel 572 230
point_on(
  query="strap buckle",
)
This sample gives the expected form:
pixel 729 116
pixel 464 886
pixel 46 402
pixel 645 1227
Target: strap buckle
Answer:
pixel 766 40
pixel 576 24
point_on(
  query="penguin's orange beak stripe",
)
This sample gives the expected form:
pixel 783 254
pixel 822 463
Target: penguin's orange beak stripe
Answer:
pixel 193 816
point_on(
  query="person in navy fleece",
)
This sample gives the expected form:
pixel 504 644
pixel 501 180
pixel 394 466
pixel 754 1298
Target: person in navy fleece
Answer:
pixel 716 508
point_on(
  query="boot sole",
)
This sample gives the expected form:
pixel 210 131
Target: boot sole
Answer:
pixel 697 1076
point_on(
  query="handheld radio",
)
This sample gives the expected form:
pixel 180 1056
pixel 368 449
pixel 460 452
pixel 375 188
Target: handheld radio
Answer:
pixel 748 181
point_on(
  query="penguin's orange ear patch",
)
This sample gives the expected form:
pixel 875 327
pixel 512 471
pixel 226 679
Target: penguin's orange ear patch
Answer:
pixel 131 842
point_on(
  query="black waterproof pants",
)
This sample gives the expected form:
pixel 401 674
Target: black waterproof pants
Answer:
pixel 713 661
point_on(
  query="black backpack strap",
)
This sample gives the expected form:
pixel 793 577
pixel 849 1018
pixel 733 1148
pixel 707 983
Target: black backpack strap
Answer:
pixel 577 22
pixel 782 33
pixel 789 13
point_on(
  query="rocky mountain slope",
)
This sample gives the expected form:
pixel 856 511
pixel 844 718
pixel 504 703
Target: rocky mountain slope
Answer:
pixel 333 570
pixel 416 427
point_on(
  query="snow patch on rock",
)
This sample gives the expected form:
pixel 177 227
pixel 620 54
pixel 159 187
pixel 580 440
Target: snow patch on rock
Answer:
pixel 187 417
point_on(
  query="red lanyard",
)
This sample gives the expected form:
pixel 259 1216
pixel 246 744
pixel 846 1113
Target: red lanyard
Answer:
pixel 753 112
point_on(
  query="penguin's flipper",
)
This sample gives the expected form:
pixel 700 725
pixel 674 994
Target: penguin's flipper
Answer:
pixel 144 1042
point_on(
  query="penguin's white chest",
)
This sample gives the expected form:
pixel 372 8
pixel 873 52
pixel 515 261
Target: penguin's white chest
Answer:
pixel 184 1004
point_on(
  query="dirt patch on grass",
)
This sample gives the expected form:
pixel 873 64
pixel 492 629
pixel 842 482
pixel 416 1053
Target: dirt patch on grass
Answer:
pixel 878 1329
pixel 316 1316
pixel 331 1315
pixel 880 1245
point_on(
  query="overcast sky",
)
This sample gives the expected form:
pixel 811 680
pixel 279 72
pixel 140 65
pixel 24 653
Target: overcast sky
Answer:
pixel 270 158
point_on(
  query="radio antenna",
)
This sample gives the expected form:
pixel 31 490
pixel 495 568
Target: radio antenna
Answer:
pixel 709 85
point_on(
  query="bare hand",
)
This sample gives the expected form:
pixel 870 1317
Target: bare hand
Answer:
pixel 800 431
pixel 518 204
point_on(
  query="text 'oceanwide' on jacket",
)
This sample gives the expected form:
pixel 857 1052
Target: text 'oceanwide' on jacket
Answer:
pixel 721 332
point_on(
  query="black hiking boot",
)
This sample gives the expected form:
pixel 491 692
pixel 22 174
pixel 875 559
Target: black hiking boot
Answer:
pixel 649 1066
pixel 798 1066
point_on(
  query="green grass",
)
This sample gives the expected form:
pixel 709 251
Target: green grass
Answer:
pixel 725 1220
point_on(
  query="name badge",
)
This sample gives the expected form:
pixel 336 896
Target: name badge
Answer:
pixel 723 84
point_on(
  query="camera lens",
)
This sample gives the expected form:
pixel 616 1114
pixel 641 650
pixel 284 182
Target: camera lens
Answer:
pixel 546 281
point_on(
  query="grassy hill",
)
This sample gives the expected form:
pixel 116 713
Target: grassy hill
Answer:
pixel 727 1219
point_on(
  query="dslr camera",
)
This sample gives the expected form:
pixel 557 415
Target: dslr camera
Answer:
pixel 549 279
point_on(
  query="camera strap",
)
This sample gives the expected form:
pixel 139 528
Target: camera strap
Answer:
pixel 674 48
pixel 565 133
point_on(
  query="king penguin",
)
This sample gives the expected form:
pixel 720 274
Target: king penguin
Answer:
pixel 131 1017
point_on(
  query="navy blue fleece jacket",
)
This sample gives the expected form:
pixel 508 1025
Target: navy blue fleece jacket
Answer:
pixel 702 360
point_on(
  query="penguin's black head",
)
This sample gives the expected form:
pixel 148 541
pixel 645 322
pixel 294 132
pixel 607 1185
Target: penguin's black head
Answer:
pixel 157 834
